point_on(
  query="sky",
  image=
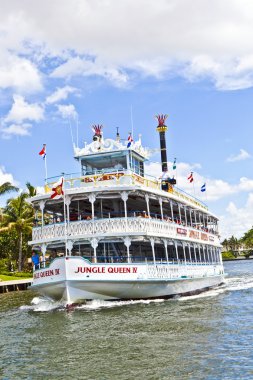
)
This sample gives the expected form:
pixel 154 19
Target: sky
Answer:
pixel 66 65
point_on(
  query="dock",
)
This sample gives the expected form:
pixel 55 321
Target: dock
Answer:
pixel 15 285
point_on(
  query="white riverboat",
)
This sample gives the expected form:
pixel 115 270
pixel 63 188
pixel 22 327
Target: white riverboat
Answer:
pixel 117 233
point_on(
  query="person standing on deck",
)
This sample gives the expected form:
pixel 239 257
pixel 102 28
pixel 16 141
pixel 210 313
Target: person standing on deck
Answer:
pixel 35 260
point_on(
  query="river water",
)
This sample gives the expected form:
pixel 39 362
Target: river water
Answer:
pixel 209 336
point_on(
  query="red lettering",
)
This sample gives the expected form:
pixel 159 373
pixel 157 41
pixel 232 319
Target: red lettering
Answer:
pixel 134 269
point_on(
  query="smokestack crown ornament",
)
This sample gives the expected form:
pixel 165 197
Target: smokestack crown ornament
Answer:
pixel 161 120
pixel 97 129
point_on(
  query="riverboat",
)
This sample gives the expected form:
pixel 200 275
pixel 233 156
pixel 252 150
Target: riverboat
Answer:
pixel 114 232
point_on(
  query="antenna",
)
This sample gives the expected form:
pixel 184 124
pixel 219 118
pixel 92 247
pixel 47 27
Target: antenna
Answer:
pixel 132 123
pixel 77 131
pixel 71 132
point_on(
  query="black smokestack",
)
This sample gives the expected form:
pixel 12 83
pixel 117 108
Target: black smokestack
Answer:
pixel 162 128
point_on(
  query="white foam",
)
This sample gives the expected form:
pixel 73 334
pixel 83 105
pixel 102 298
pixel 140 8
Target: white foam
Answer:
pixel 42 304
pixel 99 304
pixel 231 284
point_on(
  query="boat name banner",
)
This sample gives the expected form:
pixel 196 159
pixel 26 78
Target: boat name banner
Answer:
pixel 99 269
pixel 182 231
pixel 47 273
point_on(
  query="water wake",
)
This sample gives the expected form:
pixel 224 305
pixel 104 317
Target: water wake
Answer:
pixel 99 304
pixel 41 304
pixel 231 284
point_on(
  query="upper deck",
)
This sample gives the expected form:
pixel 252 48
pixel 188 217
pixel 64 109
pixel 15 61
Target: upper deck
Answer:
pixel 110 165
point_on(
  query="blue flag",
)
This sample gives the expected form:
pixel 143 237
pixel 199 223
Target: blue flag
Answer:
pixel 174 164
pixel 203 188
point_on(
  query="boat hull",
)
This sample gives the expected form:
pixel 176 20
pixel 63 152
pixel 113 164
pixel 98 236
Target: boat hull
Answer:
pixel 74 280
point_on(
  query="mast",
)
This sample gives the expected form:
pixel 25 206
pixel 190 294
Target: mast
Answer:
pixel 162 128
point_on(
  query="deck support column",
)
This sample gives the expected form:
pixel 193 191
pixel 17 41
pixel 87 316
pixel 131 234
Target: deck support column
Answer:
pixel 203 247
pixel 127 242
pixel 165 242
pixel 183 244
pixel 199 253
pixel 176 250
pixel 190 211
pixel 94 244
pixel 152 241
pixel 43 251
pixel 179 210
pixel 171 209
pixel 69 246
pixel 42 206
pixel 124 197
pixel 161 206
pixel 189 248
pixel 185 215
pixel 220 258
pixel 194 247
pixel 67 203
pixel 92 198
pixel 147 202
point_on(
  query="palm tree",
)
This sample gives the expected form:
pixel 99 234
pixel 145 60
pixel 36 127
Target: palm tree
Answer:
pixel 31 189
pixel 7 187
pixel 18 216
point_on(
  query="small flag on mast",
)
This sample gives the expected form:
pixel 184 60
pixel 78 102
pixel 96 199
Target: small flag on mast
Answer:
pixel 43 153
pixel 175 164
pixel 203 188
pixel 130 140
pixel 190 178
pixel 57 189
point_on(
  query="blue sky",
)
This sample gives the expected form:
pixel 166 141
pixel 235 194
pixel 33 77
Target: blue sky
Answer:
pixel 84 63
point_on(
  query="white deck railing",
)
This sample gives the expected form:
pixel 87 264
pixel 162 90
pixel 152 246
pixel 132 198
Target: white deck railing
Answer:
pixel 120 227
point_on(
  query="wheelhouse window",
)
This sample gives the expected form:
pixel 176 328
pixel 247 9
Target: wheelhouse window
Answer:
pixel 104 163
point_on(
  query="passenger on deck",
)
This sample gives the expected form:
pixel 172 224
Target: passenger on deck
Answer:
pixel 35 260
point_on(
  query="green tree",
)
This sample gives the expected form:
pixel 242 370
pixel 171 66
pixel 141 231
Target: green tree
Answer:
pixel 18 216
pixel 31 189
pixel 7 187
pixel 225 244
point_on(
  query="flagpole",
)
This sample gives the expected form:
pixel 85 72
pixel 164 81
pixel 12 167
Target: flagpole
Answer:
pixel 175 164
pixel 45 159
pixel 132 123
pixel 194 189
pixel 64 213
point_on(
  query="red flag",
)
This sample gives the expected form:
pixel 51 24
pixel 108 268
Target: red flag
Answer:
pixel 57 190
pixel 43 151
pixel 190 178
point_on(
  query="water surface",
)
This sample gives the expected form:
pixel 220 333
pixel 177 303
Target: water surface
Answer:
pixel 208 336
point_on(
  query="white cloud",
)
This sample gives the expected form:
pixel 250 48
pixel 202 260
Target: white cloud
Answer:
pixel 20 74
pixel 237 220
pixel 40 190
pixel 21 110
pixel 60 94
pixel 16 130
pixel 215 188
pixel 243 155
pixel 67 111
pixel 200 39
pixel 77 66
pixel 6 177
